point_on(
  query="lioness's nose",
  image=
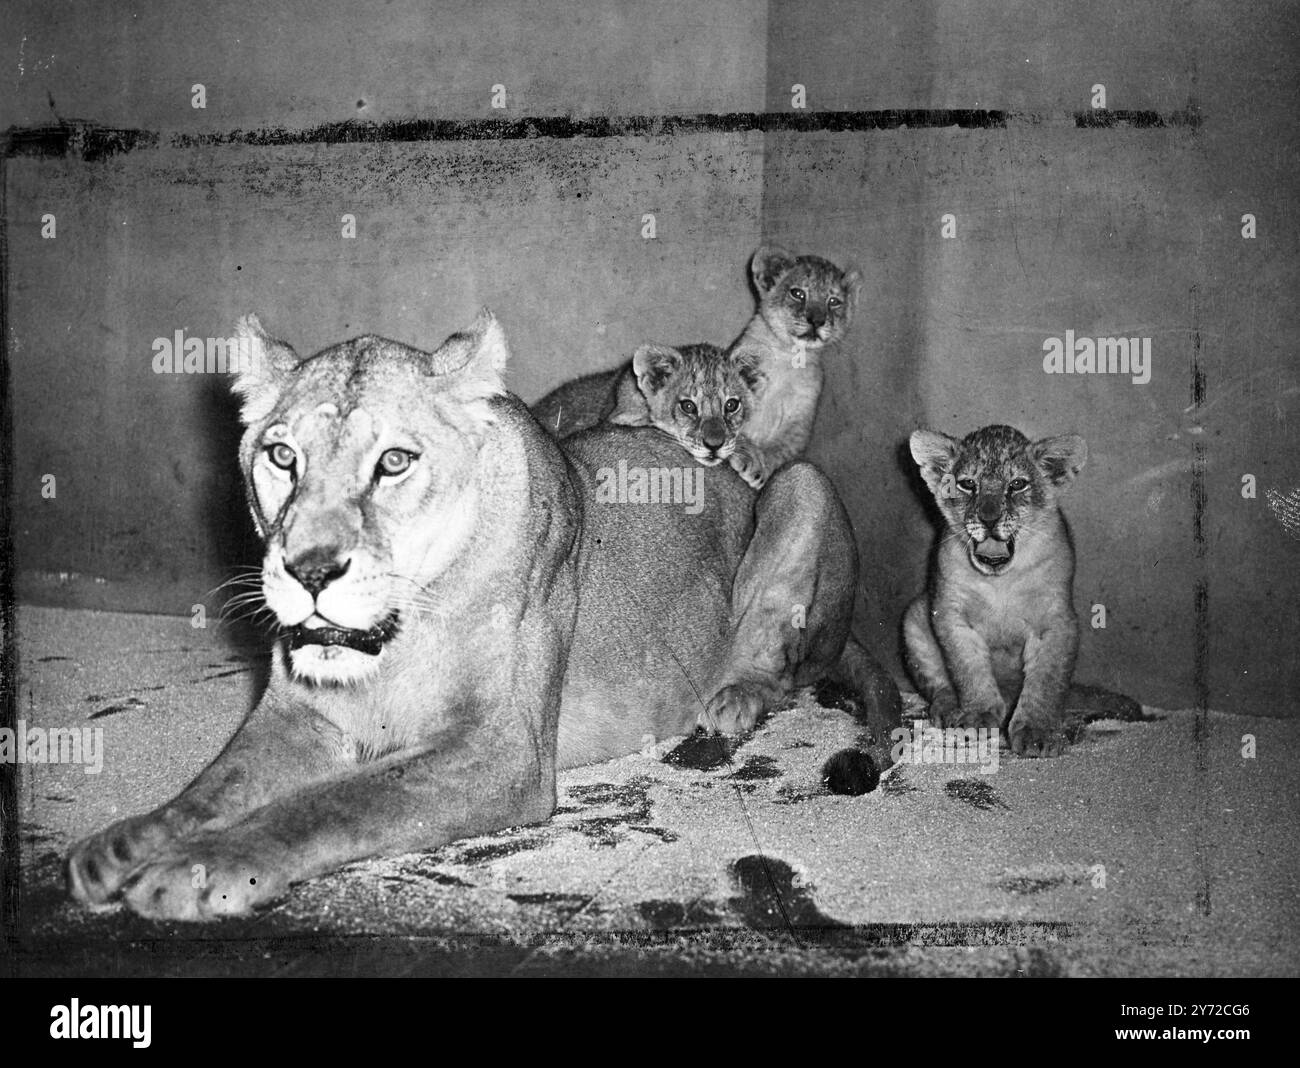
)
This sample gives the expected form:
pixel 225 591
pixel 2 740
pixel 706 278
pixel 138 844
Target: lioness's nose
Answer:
pixel 316 569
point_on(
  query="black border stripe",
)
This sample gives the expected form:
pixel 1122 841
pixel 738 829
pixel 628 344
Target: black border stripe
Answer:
pixel 94 142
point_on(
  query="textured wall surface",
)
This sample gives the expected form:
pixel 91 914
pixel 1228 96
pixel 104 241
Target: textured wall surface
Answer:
pixel 1130 229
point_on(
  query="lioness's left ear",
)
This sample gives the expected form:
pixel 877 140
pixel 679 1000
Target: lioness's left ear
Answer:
pixel 1060 459
pixel 473 359
pixel 261 368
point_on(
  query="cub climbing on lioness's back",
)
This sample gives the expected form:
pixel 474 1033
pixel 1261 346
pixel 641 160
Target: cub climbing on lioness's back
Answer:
pixel 698 395
pixel 805 305
pixel 996 631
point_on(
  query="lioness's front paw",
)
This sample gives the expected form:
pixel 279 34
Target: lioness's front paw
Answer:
pixel 1035 736
pixel 98 866
pixel 203 878
pixel 732 709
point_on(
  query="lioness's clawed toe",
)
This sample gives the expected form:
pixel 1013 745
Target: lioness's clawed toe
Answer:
pixel 732 709
pixel 97 867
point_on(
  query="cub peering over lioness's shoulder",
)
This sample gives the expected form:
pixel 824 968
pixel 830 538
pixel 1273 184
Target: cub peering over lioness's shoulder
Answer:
pixel 992 642
pixel 805 307
pixel 459 616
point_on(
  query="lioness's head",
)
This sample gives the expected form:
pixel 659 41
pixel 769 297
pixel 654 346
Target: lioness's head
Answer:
pixel 698 395
pixel 358 464
pixel 995 487
pixel 806 298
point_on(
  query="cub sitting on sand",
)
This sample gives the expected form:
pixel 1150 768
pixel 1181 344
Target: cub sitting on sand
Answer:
pixel 805 305
pixel 996 631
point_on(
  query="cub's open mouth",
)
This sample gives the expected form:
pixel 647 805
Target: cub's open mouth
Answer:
pixel 992 553
pixel 371 642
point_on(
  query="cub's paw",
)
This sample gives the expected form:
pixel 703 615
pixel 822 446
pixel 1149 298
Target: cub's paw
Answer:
pixel 97 867
pixel 733 709
pixel 1037 736
pixel 749 466
pixel 988 715
pixel 944 709
pixel 204 878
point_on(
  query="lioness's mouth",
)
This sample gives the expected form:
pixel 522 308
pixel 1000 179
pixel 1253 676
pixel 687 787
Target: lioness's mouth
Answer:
pixel 993 554
pixel 371 641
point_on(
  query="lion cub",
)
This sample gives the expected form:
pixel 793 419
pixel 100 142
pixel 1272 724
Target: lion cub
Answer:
pixel 996 630
pixel 805 305
pixel 698 395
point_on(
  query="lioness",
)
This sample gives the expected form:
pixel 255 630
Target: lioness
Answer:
pixel 460 617
pixel 996 631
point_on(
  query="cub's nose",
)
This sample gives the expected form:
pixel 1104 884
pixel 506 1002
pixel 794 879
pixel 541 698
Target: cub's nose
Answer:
pixel 989 509
pixel 713 432
pixel 816 317
pixel 316 569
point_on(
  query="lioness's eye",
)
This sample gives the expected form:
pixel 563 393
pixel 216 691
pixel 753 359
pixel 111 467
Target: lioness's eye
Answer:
pixel 687 406
pixel 282 456
pixel 1018 484
pixel 966 485
pixel 797 293
pixel 394 462
pixel 733 404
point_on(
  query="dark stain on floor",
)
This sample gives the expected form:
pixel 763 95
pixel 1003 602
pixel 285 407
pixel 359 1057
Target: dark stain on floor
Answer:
pixel 701 752
pixel 632 799
pixel 768 897
pixel 897 785
pixel 757 767
pixel 975 792
pixel 564 902
pixel 496 850
pixel 1027 884
pixel 126 706
pixel 669 915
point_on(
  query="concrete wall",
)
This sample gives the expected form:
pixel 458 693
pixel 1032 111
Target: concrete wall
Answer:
pixel 1128 230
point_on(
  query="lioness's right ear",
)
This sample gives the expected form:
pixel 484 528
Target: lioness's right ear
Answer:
pixel 768 264
pixel 934 454
pixel 653 365
pixel 261 366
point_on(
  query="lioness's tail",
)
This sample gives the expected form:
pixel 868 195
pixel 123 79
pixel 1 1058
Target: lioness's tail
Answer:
pixel 1085 703
pixel 859 685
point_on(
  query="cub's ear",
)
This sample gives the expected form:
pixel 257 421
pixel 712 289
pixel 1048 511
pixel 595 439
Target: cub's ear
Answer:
pixel 261 369
pixel 472 360
pixel 851 282
pixel 934 454
pixel 768 264
pixel 653 365
pixel 1060 459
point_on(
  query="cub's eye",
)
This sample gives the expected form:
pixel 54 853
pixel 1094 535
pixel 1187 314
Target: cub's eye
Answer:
pixel 687 406
pixel 966 485
pixel 798 294
pixel 732 405
pixel 834 302
pixel 1018 485
pixel 394 462
pixel 282 456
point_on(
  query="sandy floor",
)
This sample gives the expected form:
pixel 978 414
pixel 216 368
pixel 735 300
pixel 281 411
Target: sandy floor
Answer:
pixel 1151 848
